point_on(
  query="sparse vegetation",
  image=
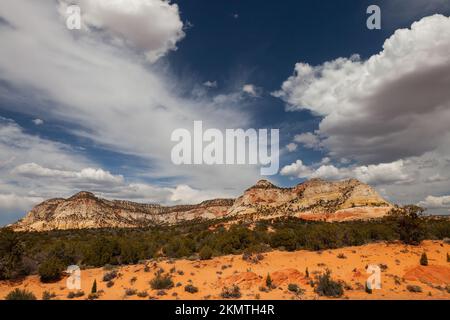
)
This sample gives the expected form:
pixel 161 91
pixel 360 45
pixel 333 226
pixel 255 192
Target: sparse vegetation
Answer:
pixel 292 287
pixel 20 294
pixel 25 253
pixel 50 270
pixel 130 291
pixel 423 259
pixel 142 294
pixel 75 294
pixel 413 288
pixel 110 276
pixel 161 282
pixel 205 253
pixel 190 288
pixel 47 295
pixel 325 286
pixel 233 292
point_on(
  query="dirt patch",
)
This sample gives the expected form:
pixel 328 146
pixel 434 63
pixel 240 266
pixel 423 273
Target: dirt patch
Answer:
pixel 245 280
pixel 438 275
pixel 287 276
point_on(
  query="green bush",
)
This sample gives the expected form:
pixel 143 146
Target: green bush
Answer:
pixel 161 282
pixel 19 294
pixel 51 270
pixel 206 253
pixel 327 287
pixel 423 259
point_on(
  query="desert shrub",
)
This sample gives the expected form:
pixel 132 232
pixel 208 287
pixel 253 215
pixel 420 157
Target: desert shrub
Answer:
pixel 130 291
pixel 292 287
pixel 48 295
pixel 233 292
pixel 190 288
pixel 161 282
pixel 51 269
pixel 93 296
pixel 161 293
pixel 75 294
pixel 206 253
pixel 341 256
pixel 19 294
pixel 423 259
pixel 142 294
pixel 413 288
pixel 327 287
pixel 109 284
pixel 109 276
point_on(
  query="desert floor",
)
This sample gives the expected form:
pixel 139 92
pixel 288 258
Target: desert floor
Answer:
pixel 400 268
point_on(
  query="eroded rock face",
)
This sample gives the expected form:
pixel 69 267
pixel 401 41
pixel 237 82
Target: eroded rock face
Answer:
pixel 315 199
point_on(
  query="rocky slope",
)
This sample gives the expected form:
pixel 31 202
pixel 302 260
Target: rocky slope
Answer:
pixel 314 199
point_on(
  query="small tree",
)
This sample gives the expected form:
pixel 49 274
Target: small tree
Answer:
pixel 409 223
pixel 269 282
pixel 424 259
pixel 94 287
pixel 307 272
pixel 448 257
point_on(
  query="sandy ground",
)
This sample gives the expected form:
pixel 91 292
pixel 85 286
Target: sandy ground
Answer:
pixel 400 268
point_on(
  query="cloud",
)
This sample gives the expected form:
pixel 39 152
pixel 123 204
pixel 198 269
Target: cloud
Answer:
pixel 12 202
pixel 432 202
pixel 210 84
pixel 383 173
pixel 297 169
pixel 291 147
pixel 308 139
pixel 153 26
pixel 251 90
pixel 107 94
pixel 33 170
pixel 394 105
pixel 38 122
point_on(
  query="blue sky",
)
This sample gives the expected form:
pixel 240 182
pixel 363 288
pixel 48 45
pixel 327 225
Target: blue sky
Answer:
pixel 93 108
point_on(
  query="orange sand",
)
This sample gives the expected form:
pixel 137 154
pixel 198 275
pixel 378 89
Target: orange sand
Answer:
pixel 284 268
